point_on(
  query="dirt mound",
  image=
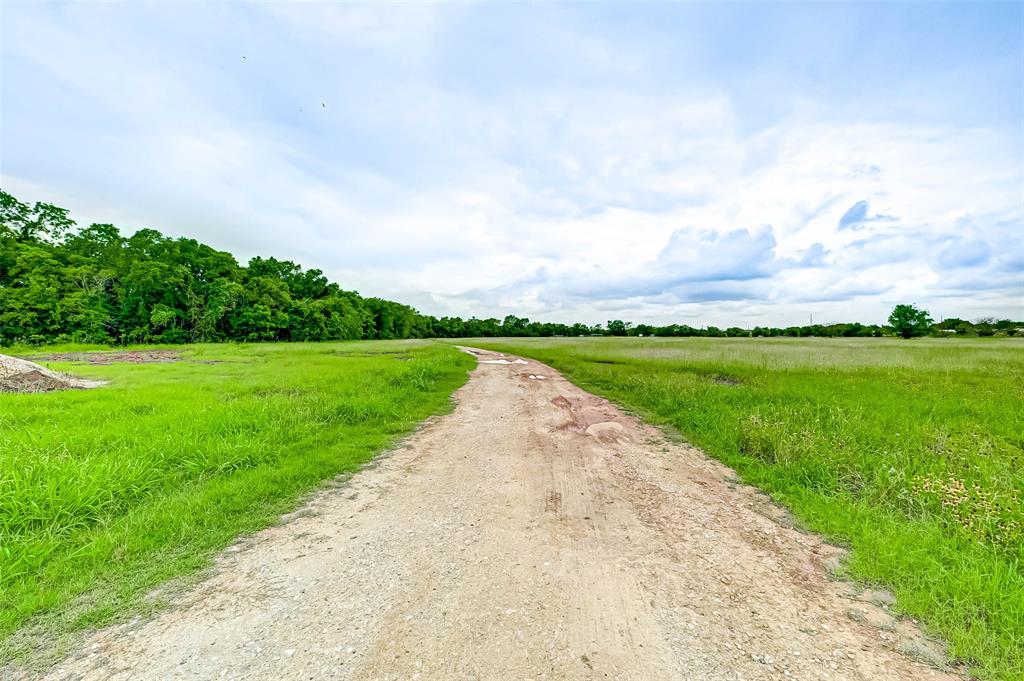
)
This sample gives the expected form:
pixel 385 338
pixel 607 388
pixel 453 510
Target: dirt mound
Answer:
pixel 23 376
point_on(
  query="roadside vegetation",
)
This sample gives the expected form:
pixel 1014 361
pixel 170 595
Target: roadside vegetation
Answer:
pixel 910 453
pixel 106 494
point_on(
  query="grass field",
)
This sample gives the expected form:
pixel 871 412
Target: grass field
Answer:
pixel 108 493
pixel 909 452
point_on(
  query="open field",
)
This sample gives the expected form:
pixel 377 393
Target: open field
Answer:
pixel 910 453
pixel 108 493
pixel 534 503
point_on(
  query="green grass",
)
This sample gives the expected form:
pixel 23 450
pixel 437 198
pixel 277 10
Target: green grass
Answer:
pixel 106 494
pixel 908 452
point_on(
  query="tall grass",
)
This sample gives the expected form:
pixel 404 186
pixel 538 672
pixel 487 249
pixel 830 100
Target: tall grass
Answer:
pixel 909 452
pixel 107 493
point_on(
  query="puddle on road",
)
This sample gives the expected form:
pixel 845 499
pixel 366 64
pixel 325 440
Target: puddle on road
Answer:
pixel 502 361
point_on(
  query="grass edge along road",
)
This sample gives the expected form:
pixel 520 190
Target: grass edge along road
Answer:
pixel 909 453
pixel 107 494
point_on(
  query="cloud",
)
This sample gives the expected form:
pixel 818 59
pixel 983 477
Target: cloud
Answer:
pixel 811 257
pixel 695 265
pixel 553 161
pixel 857 216
pixel 705 255
pixel 960 253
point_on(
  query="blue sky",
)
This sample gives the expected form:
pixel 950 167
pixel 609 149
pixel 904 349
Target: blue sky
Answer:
pixel 713 164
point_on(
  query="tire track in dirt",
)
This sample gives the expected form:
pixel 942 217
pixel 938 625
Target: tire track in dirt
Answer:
pixel 535 532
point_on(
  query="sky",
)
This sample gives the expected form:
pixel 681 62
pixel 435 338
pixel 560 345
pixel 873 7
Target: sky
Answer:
pixel 727 164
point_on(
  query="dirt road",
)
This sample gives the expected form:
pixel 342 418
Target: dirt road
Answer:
pixel 535 533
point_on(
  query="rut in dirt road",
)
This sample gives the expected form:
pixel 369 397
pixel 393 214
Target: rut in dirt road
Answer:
pixel 535 532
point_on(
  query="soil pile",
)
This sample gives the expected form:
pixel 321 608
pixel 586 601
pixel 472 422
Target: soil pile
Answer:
pixel 23 376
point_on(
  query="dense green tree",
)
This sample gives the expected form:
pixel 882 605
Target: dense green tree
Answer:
pixel 31 301
pixel 909 321
pixel 41 222
pixel 985 327
pixel 617 327
pixel 514 326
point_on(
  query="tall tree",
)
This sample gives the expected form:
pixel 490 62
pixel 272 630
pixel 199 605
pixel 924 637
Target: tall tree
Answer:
pixel 909 321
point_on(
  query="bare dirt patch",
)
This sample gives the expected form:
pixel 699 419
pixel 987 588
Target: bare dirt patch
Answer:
pixel 535 532
pixel 22 376
pixel 109 357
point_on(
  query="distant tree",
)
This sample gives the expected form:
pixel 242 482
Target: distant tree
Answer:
pixel 41 222
pixel 949 323
pixel 909 321
pixel 515 326
pixel 985 326
pixel 486 328
pixel 617 327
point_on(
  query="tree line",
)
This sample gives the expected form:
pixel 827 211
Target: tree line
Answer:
pixel 62 283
